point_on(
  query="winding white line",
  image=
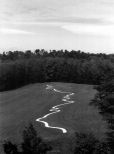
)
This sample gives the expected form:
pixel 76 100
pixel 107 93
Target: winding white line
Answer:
pixel 56 109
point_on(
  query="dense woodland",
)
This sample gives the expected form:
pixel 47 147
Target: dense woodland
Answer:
pixel 104 100
pixel 20 68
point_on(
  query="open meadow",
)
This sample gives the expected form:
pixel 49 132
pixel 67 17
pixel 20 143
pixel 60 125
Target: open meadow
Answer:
pixel 21 106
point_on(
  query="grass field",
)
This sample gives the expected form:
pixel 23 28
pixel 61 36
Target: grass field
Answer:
pixel 21 106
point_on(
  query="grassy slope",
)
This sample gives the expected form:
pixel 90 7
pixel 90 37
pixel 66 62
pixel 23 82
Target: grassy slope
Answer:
pixel 18 107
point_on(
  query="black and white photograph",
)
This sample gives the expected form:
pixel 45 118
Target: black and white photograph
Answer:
pixel 56 76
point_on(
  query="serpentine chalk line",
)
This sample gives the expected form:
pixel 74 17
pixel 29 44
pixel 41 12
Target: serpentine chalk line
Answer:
pixel 56 109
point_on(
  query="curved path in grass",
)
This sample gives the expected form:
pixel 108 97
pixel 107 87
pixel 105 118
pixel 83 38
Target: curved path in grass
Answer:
pixel 56 109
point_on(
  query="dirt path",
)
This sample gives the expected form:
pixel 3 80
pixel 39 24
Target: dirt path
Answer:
pixel 56 109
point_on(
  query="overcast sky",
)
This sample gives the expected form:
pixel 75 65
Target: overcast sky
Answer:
pixel 86 25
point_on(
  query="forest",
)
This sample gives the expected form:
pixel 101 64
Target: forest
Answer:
pixel 21 68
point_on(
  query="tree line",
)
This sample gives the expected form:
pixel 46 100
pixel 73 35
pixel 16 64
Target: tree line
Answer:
pixel 21 68
pixel 81 143
pixel 104 100
pixel 14 55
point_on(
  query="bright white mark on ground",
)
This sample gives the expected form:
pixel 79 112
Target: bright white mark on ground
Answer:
pixel 56 109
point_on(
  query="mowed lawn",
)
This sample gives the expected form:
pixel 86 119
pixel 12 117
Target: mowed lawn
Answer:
pixel 21 106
